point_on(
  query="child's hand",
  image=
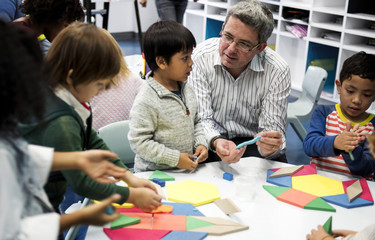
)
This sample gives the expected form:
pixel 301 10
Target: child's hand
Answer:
pixel 202 153
pixel 136 182
pixel 144 198
pixel 347 140
pixel 318 234
pixel 186 162
pixel 342 233
pixel 95 214
pixel 94 164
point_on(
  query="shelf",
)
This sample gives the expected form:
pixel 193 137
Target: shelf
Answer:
pixel 218 4
pixel 331 10
pixel 216 17
pixel 328 25
pixel 363 16
pixel 362 32
pixel 198 12
pixel 324 41
pixel 359 47
pixel 300 5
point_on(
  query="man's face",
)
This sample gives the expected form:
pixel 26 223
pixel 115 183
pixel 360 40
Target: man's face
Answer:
pixel 232 56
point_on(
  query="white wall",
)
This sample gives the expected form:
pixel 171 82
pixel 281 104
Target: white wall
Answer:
pixel 122 17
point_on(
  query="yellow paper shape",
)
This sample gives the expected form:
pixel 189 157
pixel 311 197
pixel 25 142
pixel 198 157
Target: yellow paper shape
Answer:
pixel 317 185
pixel 194 192
pixel 116 205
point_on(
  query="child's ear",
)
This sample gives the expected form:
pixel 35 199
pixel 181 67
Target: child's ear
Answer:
pixel 338 86
pixel 69 79
pixel 160 61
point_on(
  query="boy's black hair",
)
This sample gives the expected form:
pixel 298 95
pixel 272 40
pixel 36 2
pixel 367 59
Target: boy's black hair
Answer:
pixel 53 11
pixel 164 39
pixel 21 91
pixel 360 64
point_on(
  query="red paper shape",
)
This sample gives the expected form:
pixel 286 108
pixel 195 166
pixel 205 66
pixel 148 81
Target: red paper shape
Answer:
pixel 366 194
pixel 136 234
pixel 306 170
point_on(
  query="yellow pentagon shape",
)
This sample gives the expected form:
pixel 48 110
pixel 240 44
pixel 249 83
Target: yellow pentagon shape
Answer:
pixel 317 185
pixel 194 192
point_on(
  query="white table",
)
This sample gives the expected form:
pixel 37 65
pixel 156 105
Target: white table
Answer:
pixel 266 217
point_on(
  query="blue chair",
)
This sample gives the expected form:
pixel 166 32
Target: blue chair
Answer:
pixel 301 110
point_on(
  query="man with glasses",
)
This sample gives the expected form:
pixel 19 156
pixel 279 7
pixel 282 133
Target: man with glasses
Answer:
pixel 242 87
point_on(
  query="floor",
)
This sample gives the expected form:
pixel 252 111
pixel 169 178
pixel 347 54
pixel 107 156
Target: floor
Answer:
pixel 294 152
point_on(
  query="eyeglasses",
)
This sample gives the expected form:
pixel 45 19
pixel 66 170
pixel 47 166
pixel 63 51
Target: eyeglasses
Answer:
pixel 242 46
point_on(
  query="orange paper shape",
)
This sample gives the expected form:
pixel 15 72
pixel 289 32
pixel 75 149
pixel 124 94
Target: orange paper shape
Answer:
pixel 296 198
pixel 169 222
pixel 163 209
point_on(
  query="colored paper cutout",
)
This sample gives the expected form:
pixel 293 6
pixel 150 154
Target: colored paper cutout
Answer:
pixel 306 170
pixel 163 209
pixel 194 192
pixel 161 175
pixel 328 226
pixel 343 201
pixel 169 222
pixel 295 197
pixel 275 190
pixel 181 235
pixel 328 189
pixel 318 185
pixel 194 223
pixel 319 204
pixel 227 206
pixel 187 209
pixel 280 181
pixel 116 205
pixel 286 171
pixel 134 234
pixel 354 190
pixel 366 194
pixel 123 221
pixel 221 226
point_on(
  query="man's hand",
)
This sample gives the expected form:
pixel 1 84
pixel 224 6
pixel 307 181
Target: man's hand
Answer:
pixel 227 151
pixel 269 143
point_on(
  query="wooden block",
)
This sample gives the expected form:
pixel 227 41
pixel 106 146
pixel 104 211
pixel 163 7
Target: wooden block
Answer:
pixel 280 181
pixel 354 190
pixel 161 175
pixel 319 204
pixel 180 235
pixel 328 226
pixel 227 206
pixel 275 190
pixel 221 229
pixel 123 221
pixel 286 171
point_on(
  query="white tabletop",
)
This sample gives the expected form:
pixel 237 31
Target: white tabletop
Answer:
pixel 266 217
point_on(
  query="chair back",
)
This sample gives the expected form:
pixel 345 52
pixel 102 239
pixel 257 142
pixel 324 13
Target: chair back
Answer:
pixel 313 83
pixel 115 135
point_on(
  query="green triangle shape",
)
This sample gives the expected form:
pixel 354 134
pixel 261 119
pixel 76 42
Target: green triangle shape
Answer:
pixel 275 190
pixel 124 221
pixel 161 175
pixel 193 223
pixel 319 204
pixel 328 226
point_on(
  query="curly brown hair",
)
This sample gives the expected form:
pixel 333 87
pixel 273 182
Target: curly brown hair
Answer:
pixel 53 11
pixel 21 91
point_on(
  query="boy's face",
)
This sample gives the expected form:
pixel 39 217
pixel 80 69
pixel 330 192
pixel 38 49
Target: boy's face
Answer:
pixel 85 91
pixel 356 96
pixel 179 67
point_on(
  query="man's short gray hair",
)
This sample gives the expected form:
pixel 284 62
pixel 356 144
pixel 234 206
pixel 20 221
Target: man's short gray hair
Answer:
pixel 254 14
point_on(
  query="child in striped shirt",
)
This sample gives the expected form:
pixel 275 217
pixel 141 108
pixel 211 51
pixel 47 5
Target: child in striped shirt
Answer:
pixel 336 136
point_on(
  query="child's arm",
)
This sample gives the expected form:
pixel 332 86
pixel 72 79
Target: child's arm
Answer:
pixel 92 162
pixel 316 144
pixel 363 163
pixel 94 214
